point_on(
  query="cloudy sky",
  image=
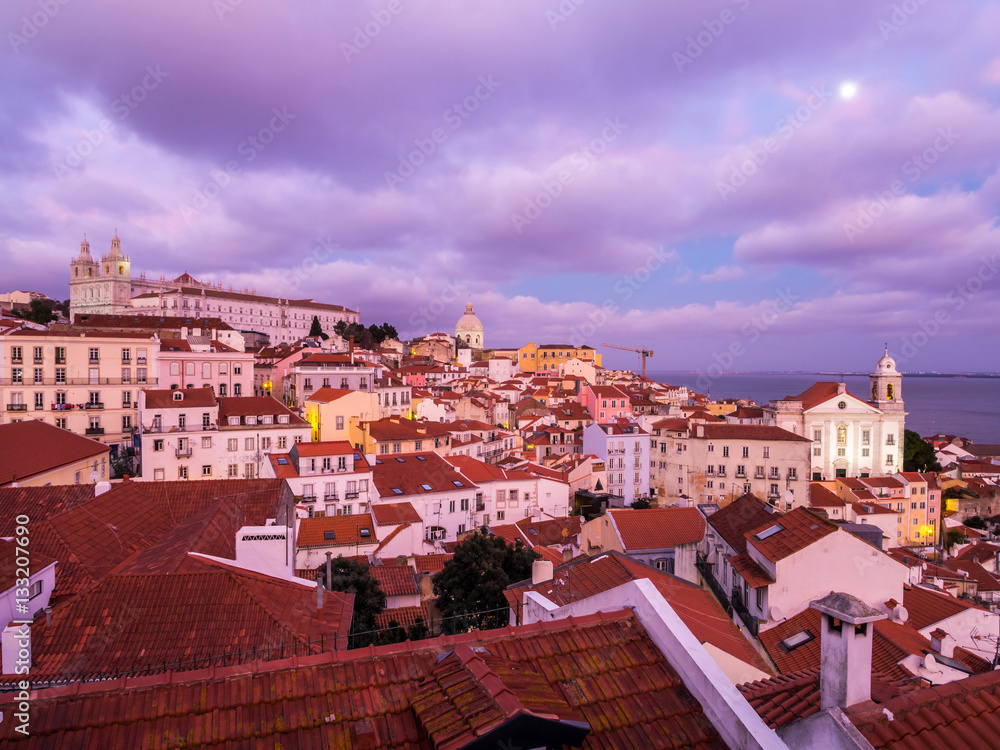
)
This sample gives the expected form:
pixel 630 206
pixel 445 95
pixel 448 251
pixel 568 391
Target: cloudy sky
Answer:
pixel 762 185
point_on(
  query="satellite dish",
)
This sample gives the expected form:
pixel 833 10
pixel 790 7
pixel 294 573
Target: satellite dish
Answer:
pixel 775 613
pixel 930 663
pixel 902 614
pixel 94 476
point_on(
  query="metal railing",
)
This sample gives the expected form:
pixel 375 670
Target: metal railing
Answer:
pixel 308 498
pixel 17 407
pixel 748 619
pixel 94 405
pixel 184 452
pixel 78 381
pixel 94 431
pixel 705 568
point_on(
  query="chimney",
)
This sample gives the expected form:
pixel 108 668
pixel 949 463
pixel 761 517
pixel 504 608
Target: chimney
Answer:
pixel 319 598
pixel 48 617
pixel 841 388
pixel 101 487
pixel 329 566
pixel 943 643
pixel 541 571
pixel 845 677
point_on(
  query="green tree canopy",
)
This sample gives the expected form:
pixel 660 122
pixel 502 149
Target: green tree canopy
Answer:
pixel 470 586
pixel 975 522
pixel 37 312
pixel 316 329
pixel 918 454
pixel 382 332
pixel 641 504
pixel 352 577
pixel 953 537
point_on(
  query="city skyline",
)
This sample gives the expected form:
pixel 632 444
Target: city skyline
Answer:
pixel 789 187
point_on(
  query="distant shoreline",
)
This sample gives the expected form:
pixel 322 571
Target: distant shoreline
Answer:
pixel 986 375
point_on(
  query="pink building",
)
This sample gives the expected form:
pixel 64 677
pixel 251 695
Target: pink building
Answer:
pixel 606 403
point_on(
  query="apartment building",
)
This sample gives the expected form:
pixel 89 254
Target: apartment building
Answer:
pixel 202 361
pixel 323 370
pixel 624 448
pixel 328 479
pixel 548 358
pixel 716 463
pixel 83 381
pixel 191 434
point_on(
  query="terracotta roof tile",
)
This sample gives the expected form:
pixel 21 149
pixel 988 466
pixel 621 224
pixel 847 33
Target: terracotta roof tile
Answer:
pixel 430 563
pixel 962 714
pixel 604 666
pixel 133 621
pixel 408 472
pixel 189 398
pixel 336 531
pixel 750 571
pixel 751 432
pixel 585 576
pixel 395 580
pixel 927 607
pixel 658 528
pixel 797 530
pixel 32 447
pixel 405 616
pixel 394 514
pixel 740 516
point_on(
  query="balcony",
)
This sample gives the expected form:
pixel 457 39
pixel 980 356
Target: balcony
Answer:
pixel 741 609
pixel 184 452
pixel 331 497
pixel 38 361
pixel 17 407
pixel 740 475
pixel 140 360
pixel 758 474
pixel 91 405
pixel 62 407
pixel 16 361
pixel 93 361
pixel 94 431
pixel 60 360
pixel 77 381
pixel 351 495
pixel 308 498
pixel 705 568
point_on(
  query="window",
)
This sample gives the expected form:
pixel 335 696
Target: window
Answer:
pixel 182 421
pixel 60 375
pixel 888 459
pixel 866 437
pixel 775 472
pixel 206 442
pixel 157 445
pixel 237 369
pixel 774 490
pixel 842 434
pixel 760 599
pixel 233 444
pixel 793 473
pixel 38 355
pixel 866 452
pixel 817 436
pixel 841 452
pixel 38 375
pixel 500 515
pixel 890 439
pixel 39 400
pixel 746 451
pixel 140 374
pixel 248 471
pixel 95 354
pixel 725 451
pixel 206 471
pixel 158 474
pixel 767 452
pixel 126 422
pixel 340 423
pixel 248 444
pixel 234 471
pixel 17 375
pixel 282 443
pixel 465 503
pixel 711 448
pixel 182 472
pixel 265 443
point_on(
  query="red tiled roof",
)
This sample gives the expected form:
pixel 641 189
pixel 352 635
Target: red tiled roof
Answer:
pixel 393 514
pixel 387 430
pixel 250 406
pixel 148 322
pixel 927 607
pixel 430 563
pixel 817 393
pixel 480 471
pixel 821 497
pixel 345 529
pixel 658 528
pixel 190 398
pixel 216 610
pixel 583 577
pixel 395 580
pixel 959 715
pixel 751 432
pixel 93 538
pixel 979 551
pixel 976 572
pixel 324 448
pixel 749 571
pixel 799 529
pixel 327 395
pixel 745 513
pixel 407 472
pixel 404 616
pixel 781 700
pixel 9 566
pixel 469 694
pixel 605 666
pixel 33 447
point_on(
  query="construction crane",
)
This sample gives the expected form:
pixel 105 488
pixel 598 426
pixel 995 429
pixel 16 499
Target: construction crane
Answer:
pixel 644 352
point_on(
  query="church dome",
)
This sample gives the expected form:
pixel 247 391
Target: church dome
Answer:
pixel 470 328
pixel 886 365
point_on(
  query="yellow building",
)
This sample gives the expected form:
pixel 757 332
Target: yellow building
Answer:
pixel 547 358
pixel 37 454
pixel 336 414
pixel 86 382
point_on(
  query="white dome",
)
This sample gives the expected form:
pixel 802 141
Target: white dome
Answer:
pixel 469 328
pixel 886 365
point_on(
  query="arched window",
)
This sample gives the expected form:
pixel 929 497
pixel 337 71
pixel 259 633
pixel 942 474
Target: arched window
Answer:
pixel 889 392
pixel 842 434
pixel 874 391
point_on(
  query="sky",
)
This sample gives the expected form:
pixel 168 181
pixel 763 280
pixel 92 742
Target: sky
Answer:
pixel 734 184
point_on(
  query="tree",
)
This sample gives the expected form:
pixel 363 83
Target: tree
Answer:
pixel 975 522
pixel 641 504
pixel 352 577
pixel 380 333
pixel 918 454
pixel 418 630
pixel 340 327
pixel 316 329
pixel 953 537
pixel 393 634
pixel 470 586
pixel 37 312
